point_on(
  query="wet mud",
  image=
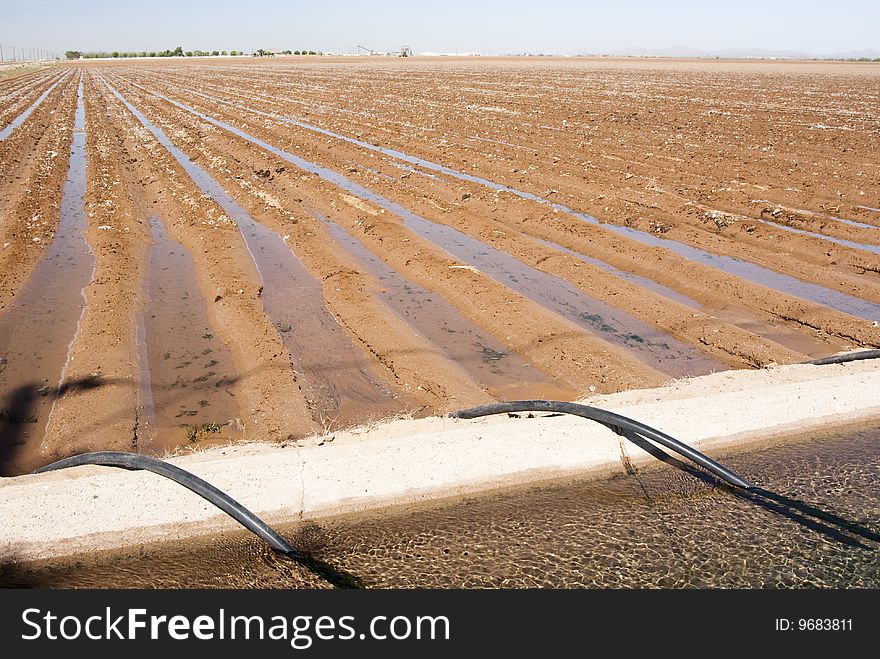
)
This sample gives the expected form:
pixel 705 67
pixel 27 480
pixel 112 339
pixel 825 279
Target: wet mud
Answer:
pixel 506 375
pixel 505 229
pixel 652 347
pixel 37 330
pixel 188 370
pixel 338 384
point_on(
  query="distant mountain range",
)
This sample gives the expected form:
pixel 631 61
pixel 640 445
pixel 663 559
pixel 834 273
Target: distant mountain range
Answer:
pixel 762 53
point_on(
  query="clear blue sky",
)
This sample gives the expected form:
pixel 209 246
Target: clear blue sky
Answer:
pixel 493 26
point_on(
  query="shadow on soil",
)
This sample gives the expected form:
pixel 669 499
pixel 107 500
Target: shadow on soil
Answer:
pixel 13 575
pixel 18 411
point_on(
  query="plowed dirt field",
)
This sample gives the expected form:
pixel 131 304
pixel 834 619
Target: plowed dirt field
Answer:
pixel 196 252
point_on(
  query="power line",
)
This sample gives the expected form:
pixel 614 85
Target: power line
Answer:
pixel 27 54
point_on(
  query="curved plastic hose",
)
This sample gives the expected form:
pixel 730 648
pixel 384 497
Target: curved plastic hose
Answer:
pixel 847 357
pixel 190 481
pixel 613 421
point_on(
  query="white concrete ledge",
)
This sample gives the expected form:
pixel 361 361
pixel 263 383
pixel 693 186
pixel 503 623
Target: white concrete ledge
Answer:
pixel 95 508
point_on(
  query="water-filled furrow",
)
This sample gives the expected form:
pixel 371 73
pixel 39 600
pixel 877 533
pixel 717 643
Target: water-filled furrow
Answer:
pixel 11 100
pixel 650 345
pixel 744 269
pixel 39 327
pixel 860 225
pixel 504 373
pixel 874 249
pixel 644 282
pixel 335 374
pixel 20 119
pixel 802 342
pixel 188 368
pixel 146 408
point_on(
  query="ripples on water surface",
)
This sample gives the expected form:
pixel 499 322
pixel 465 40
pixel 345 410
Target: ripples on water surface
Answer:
pixel 661 528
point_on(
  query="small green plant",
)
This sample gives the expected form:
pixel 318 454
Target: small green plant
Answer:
pixel 201 431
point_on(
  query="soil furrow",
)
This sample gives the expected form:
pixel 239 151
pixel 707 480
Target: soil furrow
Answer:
pixel 37 331
pixel 749 350
pixel 752 237
pixel 21 118
pixel 267 391
pixel 504 373
pixel 283 246
pixel 337 381
pixel 187 371
pixel 33 165
pixel 590 122
pixel 15 102
pixel 418 366
pixel 856 262
pixel 412 220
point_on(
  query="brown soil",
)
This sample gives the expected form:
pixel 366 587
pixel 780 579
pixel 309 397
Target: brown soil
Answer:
pixel 33 165
pixel 16 98
pixel 266 386
pixel 102 415
pixel 467 206
pixel 651 145
pixel 574 357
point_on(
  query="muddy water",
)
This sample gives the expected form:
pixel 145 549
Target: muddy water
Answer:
pixel 188 369
pixel 336 379
pixel 754 273
pixel 661 528
pixel 860 225
pixel 744 269
pixel 874 249
pixel 804 342
pixel 505 374
pixel 798 341
pixel 38 328
pixel 647 343
pixel 20 119
pixel 644 282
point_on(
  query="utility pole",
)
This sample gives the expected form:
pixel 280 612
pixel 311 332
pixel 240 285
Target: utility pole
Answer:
pixel 1 52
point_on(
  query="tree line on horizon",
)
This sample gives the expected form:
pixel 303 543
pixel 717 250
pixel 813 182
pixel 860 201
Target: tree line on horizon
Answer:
pixel 179 52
